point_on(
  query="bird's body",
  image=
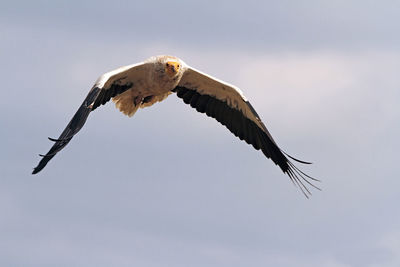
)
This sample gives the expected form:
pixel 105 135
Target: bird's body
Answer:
pixel 149 82
pixel 143 84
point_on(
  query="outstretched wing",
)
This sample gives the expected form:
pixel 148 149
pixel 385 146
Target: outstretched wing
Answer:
pixel 106 87
pixel 227 104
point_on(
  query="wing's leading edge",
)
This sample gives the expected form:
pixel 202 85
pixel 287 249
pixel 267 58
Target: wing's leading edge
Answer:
pixel 109 85
pixel 228 105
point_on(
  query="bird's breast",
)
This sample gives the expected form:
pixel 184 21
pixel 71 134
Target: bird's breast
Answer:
pixel 159 83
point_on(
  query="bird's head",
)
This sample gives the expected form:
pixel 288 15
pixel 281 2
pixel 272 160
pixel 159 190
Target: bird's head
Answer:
pixel 168 67
pixel 172 67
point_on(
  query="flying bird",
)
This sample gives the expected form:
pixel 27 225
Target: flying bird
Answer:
pixel 142 85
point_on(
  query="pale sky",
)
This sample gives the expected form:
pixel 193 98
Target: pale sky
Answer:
pixel 172 187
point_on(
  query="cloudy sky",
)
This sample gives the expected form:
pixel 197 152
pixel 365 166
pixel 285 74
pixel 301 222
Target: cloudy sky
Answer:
pixel 171 187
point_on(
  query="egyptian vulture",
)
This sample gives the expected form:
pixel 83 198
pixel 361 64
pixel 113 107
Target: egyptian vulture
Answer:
pixel 143 84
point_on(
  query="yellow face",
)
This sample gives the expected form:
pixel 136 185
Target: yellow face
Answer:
pixel 172 68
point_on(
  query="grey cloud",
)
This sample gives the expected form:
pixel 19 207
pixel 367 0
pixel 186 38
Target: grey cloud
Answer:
pixel 268 24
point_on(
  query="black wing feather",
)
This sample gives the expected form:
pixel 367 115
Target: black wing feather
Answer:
pixel 94 99
pixel 246 130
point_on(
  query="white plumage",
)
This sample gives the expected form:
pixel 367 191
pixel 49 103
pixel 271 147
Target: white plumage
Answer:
pixel 143 84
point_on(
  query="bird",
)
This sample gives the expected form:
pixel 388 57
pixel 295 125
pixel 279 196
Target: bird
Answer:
pixel 146 83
